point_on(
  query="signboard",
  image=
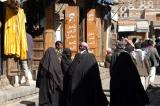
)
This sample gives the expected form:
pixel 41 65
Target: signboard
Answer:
pixel 93 32
pixel 126 22
pixel 127 28
pixel 71 28
pixel 91 29
pixel 142 26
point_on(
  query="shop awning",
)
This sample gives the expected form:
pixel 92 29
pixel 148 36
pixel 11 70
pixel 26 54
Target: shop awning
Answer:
pixel 157 27
pixel 156 24
pixel 110 2
pixel 127 28
pixel 3 0
pixel 126 25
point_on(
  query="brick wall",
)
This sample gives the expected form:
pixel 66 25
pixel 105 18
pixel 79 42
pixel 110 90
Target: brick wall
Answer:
pixel 138 5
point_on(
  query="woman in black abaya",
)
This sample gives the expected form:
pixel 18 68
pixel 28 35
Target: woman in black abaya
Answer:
pixel 66 60
pixel 125 85
pixel 49 79
pixel 82 85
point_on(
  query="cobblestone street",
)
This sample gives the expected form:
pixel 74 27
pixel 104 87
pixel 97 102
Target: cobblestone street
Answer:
pixel 153 93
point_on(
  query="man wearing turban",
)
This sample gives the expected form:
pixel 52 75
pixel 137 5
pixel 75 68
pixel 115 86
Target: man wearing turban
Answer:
pixel 82 83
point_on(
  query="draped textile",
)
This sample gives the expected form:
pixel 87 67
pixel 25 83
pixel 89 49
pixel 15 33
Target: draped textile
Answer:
pixel 49 79
pixel 66 60
pixel 126 88
pixel 82 84
pixel 15 42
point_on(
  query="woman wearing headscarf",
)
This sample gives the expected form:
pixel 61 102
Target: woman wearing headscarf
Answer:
pixel 66 59
pixel 83 85
pixel 49 79
pixel 120 47
pixel 126 88
pixel 65 63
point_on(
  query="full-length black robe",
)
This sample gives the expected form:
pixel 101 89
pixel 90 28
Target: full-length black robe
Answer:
pixel 66 60
pixel 82 85
pixel 125 85
pixel 49 79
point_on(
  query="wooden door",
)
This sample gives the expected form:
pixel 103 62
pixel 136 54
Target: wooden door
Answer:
pixel 12 66
pixel 38 52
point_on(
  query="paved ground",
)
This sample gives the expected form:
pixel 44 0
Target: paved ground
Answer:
pixel 154 93
pixel 32 100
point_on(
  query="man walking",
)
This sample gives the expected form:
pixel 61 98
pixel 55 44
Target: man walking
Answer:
pixel 82 86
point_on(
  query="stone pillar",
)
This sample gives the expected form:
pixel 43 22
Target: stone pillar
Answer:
pixel 72 28
pixel 49 30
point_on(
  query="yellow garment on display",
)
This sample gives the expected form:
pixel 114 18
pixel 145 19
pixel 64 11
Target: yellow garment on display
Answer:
pixel 15 41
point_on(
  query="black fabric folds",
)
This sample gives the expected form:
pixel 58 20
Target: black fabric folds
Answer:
pixel 49 79
pixel 83 87
pixel 125 85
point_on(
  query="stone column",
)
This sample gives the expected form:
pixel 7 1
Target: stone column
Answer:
pixel 49 35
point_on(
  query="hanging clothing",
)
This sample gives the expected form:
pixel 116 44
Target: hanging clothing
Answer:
pixel 15 41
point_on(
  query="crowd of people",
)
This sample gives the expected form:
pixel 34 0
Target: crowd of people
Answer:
pixel 66 82
pixel 133 66
pixel 145 57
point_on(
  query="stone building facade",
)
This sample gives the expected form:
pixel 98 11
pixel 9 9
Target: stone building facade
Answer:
pixel 148 10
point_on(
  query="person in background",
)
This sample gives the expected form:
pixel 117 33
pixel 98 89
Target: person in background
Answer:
pixel 108 58
pixel 120 47
pixel 66 60
pixel 29 54
pixel 129 45
pixel 154 60
pixel 49 79
pixel 142 63
pixel 134 40
pixel 25 63
pixel 83 84
pixel 59 50
pixel 157 46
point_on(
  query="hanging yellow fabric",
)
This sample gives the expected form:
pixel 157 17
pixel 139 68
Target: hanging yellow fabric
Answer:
pixel 15 41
